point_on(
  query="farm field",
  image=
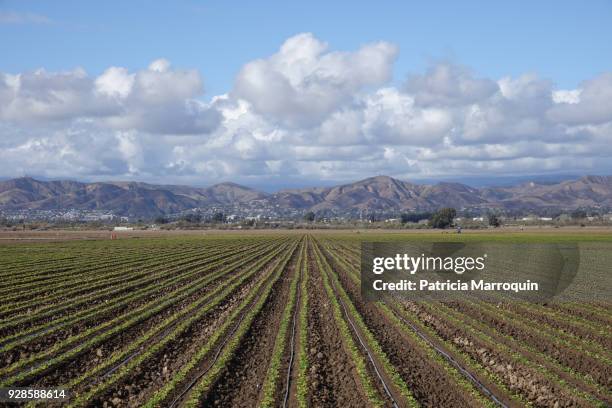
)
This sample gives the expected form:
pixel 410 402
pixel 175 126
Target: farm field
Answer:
pixel 277 320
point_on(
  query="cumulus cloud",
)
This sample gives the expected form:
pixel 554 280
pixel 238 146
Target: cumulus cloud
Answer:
pixel 589 104
pixel 393 117
pixel 303 83
pixel 48 96
pixel 306 112
pixel 114 82
pixel 157 99
pixel 516 112
pixel 447 84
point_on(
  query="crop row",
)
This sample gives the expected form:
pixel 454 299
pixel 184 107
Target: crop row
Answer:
pixel 106 283
pixel 98 333
pixel 521 354
pixel 103 269
pixel 177 324
pixel 88 317
pixel 195 265
pixel 383 313
pixel 194 378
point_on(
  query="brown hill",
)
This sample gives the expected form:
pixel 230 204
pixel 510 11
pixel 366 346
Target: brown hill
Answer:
pixel 375 193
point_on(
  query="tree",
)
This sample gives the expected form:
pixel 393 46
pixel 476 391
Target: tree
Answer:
pixel 414 217
pixel 579 214
pixel 192 218
pixel 494 220
pixel 443 218
pixel 218 217
pixel 161 220
pixel 309 216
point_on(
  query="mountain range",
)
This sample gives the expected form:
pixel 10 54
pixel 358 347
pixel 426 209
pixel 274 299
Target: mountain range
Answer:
pixel 379 193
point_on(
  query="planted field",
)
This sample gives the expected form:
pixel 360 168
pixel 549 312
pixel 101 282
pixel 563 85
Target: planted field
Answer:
pixel 277 320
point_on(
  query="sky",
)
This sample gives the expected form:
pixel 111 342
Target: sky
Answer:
pixel 284 94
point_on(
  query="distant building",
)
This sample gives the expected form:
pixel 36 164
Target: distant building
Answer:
pixel 123 229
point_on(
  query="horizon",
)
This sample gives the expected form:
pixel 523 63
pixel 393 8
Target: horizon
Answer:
pixel 164 98
pixel 491 183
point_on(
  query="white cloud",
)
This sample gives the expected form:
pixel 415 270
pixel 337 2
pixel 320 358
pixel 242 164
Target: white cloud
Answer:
pixel 448 84
pixel 160 65
pixel 115 82
pixel 303 83
pixel 306 112
pixel 392 117
pixel 566 96
pixel 593 104
pixel 156 100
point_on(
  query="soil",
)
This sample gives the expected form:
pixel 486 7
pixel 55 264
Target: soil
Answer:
pixel 517 377
pixel 567 356
pixel 240 383
pixel 428 381
pixel 332 378
pixel 90 358
pixel 160 368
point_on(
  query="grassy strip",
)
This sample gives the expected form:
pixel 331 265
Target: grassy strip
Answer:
pixel 372 342
pixel 125 370
pixel 132 318
pixel 356 356
pixel 270 382
pixel 158 399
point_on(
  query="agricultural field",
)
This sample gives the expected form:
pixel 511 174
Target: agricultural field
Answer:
pixel 277 320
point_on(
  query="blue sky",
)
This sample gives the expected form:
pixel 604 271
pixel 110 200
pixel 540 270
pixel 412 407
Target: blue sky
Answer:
pixel 565 41
pixel 280 94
